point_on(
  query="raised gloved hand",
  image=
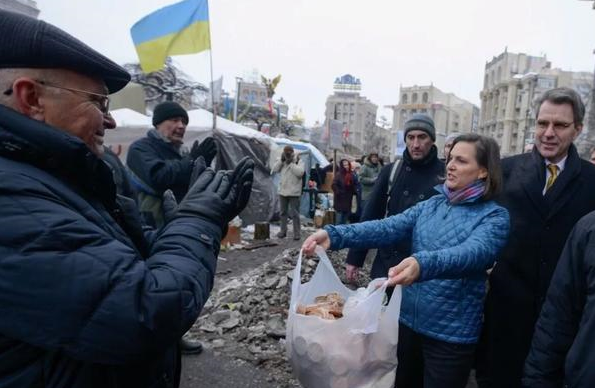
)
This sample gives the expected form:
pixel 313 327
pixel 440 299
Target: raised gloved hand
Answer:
pixel 243 176
pixel 219 196
pixel 169 201
pixel 207 149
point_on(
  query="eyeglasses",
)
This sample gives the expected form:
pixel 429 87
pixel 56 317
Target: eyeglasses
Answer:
pixel 557 125
pixel 102 100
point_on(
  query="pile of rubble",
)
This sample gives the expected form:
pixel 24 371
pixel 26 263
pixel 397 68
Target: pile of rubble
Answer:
pixel 245 316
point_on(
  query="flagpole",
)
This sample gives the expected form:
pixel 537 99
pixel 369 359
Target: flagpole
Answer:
pixel 212 82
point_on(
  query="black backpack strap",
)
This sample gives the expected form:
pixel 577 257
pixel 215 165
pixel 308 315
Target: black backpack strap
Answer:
pixel 394 173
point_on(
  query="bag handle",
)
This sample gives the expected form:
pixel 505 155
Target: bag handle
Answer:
pixel 296 282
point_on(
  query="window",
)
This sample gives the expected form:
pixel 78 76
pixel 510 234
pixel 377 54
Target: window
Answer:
pixel 414 98
pixel 424 98
pixel 404 99
pixel 545 83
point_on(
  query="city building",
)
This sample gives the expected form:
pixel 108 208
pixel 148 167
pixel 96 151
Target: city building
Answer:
pixel 512 84
pixel 253 93
pixel 357 113
pixel 26 7
pixel 449 112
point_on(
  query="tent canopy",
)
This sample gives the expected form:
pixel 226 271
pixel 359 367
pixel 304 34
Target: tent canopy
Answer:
pixel 130 118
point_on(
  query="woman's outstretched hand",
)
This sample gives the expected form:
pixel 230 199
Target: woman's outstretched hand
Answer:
pixel 320 237
pixel 405 273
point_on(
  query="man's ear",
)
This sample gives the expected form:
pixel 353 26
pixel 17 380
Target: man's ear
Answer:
pixel 26 94
pixel 579 129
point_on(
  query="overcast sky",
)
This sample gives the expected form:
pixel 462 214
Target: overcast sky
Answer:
pixel 385 43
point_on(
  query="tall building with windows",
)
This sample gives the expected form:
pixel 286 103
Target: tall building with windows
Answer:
pixel 512 84
pixel 26 7
pixel 449 112
pixel 357 113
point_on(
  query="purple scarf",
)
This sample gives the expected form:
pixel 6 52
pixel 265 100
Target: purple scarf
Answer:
pixel 470 192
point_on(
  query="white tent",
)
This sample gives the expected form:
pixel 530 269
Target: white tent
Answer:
pixel 129 118
pixel 200 119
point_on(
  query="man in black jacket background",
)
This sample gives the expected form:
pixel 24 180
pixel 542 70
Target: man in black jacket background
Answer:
pixel 158 163
pixel 416 175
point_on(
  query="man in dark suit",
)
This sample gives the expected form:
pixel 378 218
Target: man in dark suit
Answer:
pixel 546 192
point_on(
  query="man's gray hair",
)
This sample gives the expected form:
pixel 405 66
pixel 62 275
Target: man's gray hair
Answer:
pixel 560 96
pixel 8 76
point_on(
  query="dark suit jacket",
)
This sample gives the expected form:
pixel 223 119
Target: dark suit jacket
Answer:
pixel 539 228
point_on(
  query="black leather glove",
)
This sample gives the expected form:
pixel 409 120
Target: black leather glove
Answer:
pixel 219 196
pixel 207 149
pixel 242 177
pixel 169 201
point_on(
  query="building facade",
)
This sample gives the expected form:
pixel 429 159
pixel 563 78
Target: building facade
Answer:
pixel 512 84
pixel 357 113
pixel 253 93
pixel 449 112
pixel 26 7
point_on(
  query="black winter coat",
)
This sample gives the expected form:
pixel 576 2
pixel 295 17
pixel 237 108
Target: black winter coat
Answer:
pixel 539 228
pixel 80 305
pixel 160 165
pixel 414 183
pixel 123 185
pixel 562 352
pixel 342 193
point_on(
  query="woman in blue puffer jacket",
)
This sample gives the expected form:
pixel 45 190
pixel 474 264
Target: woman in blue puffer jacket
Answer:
pixel 456 237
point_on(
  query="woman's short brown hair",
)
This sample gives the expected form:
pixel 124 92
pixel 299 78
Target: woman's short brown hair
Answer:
pixel 487 155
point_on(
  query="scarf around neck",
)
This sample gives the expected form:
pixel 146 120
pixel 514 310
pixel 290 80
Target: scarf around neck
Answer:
pixel 470 192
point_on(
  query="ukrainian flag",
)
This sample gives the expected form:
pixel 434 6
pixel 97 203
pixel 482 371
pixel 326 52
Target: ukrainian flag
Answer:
pixel 181 28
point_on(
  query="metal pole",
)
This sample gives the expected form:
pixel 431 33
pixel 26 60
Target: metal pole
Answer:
pixel 213 104
pixel 237 101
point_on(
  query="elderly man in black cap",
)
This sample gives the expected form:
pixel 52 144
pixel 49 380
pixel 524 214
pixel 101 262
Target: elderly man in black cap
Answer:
pixel 158 163
pixel 86 298
pixel 399 186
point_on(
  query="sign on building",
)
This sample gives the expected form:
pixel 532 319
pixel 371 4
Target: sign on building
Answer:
pixel 335 134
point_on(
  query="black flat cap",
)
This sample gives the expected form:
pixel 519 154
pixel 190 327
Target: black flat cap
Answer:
pixel 30 43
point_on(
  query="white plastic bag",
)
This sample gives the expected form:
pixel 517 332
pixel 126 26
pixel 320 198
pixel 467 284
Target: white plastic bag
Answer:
pixel 356 351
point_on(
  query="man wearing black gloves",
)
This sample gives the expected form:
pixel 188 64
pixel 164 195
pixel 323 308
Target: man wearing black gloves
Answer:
pixel 157 162
pixel 86 299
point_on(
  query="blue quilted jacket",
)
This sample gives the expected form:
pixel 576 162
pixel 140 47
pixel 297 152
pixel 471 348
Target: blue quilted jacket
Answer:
pixel 454 245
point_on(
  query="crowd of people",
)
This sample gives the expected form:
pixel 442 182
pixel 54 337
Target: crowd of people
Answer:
pixel 522 226
pixel 104 267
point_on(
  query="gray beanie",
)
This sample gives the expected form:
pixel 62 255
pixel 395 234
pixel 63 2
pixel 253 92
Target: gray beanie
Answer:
pixel 421 122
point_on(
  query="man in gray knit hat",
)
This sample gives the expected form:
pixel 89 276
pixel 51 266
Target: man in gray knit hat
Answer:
pixel 399 186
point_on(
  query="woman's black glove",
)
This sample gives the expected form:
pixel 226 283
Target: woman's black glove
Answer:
pixel 207 149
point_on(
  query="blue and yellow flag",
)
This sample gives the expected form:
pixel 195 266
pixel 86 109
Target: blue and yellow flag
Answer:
pixel 181 28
